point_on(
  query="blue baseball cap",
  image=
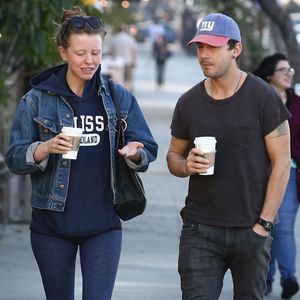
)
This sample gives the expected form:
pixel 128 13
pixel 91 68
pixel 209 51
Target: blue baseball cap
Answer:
pixel 216 30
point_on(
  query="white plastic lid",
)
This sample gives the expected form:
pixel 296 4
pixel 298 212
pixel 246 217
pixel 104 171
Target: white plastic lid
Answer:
pixel 72 130
pixel 205 140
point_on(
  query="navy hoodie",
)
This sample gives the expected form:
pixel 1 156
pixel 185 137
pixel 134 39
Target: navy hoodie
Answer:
pixel 89 209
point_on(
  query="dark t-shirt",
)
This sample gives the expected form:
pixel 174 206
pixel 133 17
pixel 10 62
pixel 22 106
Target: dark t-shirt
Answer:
pixel 234 195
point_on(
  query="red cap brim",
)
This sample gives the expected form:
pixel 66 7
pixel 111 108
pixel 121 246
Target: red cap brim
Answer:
pixel 212 40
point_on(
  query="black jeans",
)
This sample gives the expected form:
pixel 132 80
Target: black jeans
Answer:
pixel 207 252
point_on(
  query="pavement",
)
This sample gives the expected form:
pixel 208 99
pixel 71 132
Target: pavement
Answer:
pixel 148 265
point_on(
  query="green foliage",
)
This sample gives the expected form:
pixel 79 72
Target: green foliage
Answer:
pixel 28 30
pixel 3 89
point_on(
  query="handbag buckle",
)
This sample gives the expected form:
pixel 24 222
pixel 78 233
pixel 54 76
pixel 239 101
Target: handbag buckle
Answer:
pixel 124 125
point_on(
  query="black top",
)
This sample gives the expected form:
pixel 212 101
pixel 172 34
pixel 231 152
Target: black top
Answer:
pixel 234 195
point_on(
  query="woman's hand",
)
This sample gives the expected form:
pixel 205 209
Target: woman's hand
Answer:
pixel 132 151
pixel 57 145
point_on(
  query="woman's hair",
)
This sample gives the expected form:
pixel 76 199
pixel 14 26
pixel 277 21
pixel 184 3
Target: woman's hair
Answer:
pixel 67 27
pixel 268 65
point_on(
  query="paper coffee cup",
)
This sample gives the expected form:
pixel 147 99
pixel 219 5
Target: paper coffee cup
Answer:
pixel 207 144
pixel 74 134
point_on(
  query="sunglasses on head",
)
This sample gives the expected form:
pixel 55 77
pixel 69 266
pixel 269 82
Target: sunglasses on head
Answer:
pixel 80 21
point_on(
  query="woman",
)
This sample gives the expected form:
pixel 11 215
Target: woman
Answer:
pixel 276 70
pixel 72 200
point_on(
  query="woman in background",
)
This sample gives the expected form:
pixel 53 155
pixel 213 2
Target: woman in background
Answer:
pixel 275 69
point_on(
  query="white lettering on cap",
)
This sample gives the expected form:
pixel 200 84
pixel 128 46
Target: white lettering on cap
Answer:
pixel 207 25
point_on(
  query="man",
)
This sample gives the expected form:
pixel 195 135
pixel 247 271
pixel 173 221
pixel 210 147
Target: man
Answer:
pixel 228 216
pixel 124 46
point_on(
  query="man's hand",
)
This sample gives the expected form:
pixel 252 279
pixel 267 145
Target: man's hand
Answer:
pixel 260 230
pixel 196 163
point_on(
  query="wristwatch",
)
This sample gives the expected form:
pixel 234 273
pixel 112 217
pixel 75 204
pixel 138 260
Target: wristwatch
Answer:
pixel 267 225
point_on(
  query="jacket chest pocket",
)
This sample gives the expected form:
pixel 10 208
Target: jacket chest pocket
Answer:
pixel 47 128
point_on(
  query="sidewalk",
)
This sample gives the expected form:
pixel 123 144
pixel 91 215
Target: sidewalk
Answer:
pixel 148 266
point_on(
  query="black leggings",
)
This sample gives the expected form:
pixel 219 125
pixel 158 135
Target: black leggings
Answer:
pixel 99 258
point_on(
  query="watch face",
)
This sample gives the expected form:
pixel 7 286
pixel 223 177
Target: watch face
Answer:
pixel 268 226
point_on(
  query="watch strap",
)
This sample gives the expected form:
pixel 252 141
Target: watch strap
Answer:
pixel 267 225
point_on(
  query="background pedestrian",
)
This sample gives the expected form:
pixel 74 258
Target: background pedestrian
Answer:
pixel 160 53
pixel 276 70
pixel 124 46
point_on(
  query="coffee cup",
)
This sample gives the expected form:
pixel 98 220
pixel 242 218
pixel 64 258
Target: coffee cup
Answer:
pixel 207 144
pixel 74 134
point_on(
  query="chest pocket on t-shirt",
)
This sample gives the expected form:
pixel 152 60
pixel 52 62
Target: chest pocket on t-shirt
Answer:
pixel 245 136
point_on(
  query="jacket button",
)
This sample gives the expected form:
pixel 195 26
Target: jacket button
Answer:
pixel 46 122
pixel 65 163
pixel 61 186
pixel 68 116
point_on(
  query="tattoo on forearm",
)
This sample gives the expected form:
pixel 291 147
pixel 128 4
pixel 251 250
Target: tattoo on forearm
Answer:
pixel 279 131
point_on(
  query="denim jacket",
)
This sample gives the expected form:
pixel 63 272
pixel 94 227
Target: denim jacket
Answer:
pixel 41 115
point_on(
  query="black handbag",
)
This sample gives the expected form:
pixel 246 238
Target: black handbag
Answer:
pixel 130 199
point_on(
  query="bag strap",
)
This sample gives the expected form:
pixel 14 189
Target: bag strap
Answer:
pixel 122 124
pixel 113 97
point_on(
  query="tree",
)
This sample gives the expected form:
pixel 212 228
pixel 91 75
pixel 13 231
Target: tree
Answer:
pixel 281 18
